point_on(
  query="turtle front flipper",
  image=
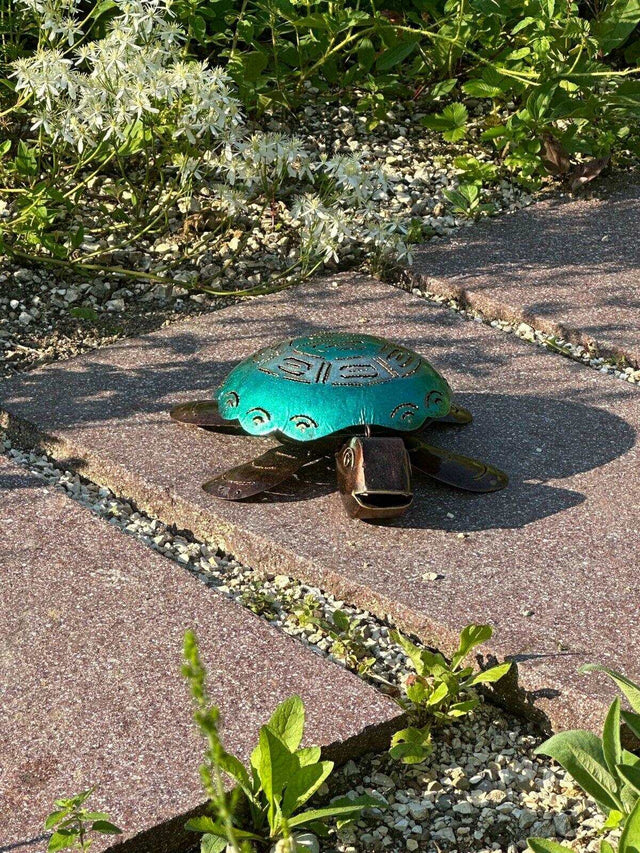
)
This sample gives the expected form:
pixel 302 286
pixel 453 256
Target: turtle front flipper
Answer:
pixel 454 469
pixel 456 415
pixel 261 474
pixel 374 477
pixel 203 413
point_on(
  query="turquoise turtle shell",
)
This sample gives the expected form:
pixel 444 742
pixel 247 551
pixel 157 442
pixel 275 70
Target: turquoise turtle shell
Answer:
pixel 309 387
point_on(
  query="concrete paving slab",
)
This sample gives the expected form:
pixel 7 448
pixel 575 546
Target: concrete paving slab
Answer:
pixel 551 562
pixel 570 268
pixel 91 628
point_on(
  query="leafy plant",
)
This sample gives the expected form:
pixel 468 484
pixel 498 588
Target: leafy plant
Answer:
pixel 465 200
pixel 439 690
pixel 348 642
pixel 601 766
pixel 629 840
pixel 267 803
pixel 72 824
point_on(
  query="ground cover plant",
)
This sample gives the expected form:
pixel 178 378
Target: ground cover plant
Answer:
pixel 439 690
pixel 118 114
pixel 266 806
pixel 565 69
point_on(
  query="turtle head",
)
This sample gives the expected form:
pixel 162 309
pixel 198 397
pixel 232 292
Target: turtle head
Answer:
pixel 374 477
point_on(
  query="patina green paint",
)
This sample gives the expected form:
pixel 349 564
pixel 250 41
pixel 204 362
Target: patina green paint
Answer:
pixel 313 386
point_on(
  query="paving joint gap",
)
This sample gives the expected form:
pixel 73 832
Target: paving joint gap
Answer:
pixel 408 282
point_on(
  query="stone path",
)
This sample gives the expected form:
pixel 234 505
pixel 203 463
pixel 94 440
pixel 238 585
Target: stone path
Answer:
pixel 569 268
pixel 91 627
pixel 551 562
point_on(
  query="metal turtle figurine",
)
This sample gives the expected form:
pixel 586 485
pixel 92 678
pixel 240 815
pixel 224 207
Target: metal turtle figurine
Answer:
pixel 361 397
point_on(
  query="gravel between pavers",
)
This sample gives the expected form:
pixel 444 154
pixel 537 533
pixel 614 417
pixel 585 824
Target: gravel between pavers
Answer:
pixel 481 790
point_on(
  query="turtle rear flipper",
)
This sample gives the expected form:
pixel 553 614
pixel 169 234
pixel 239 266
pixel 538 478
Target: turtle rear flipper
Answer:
pixel 454 469
pixel 456 415
pixel 261 474
pixel 204 413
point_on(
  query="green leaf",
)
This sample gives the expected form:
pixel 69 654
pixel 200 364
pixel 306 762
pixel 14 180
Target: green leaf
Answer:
pixel 56 817
pixel 5 147
pixel 105 827
pixel 442 88
pixel 460 709
pixel 479 88
pixel 287 722
pixel 581 754
pixel 539 101
pixel 205 824
pixel 320 814
pixel 84 312
pixel 209 825
pixel 491 675
pixel 471 636
pixel 253 64
pixel 410 649
pixel 439 694
pixel 411 745
pixel 61 840
pixel 616 22
pixel 366 53
pixel 276 765
pixel 451 122
pixel 633 721
pixel 630 689
pixel 611 746
pixel 213 844
pixel 395 55
pixel 234 768
pixel 303 785
pixel 614 819
pixel 308 755
pixel 631 775
pixel 630 838
pixel 545 845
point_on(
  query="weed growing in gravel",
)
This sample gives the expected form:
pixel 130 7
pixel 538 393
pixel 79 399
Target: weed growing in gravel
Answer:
pixel 73 824
pixel 265 806
pixel 601 766
pixel 348 642
pixel 439 690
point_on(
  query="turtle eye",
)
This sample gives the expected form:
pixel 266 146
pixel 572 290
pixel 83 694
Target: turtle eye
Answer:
pixel 231 400
pixel 303 422
pixel 348 457
pixel 259 416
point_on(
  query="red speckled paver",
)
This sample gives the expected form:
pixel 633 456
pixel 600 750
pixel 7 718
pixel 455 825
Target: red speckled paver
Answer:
pixel 570 268
pixel 91 628
pixel 551 562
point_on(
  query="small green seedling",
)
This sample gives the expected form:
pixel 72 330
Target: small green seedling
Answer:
pixel 72 824
pixel 439 690
pixel 266 806
pixel 602 768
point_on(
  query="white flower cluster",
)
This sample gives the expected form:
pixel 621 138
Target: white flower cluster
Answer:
pixel 128 82
pixel 133 89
